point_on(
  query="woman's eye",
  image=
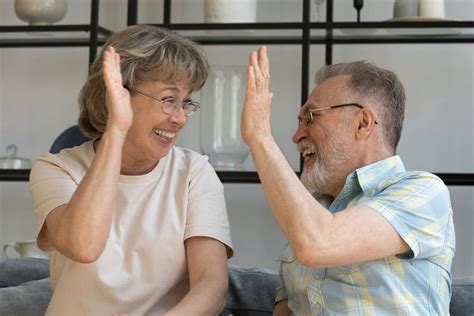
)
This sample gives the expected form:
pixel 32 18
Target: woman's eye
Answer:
pixel 168 100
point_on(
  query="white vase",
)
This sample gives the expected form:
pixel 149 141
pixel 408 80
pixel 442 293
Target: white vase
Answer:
pixel 405 8
pixel 40 12
pixel 230 11
pixel 431 8
pixel 222 101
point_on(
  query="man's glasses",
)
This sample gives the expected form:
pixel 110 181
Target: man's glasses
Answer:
pixel 170 105
pixel 308 117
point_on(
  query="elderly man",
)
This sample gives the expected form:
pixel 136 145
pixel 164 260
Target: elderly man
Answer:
pixel 366 237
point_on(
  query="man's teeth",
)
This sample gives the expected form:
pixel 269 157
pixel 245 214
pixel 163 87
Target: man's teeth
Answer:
pixel 307 152
pixel 164 134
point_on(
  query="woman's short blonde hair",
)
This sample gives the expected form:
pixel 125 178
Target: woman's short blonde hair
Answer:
pixel 147 53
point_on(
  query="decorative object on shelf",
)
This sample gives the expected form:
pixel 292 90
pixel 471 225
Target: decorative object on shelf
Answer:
pixel 431 8
pixel 222 98
pixel 358 4
pixel 405 8
pixel 230 11
pixel 444 31
pixel 11 161
pixel 40 12
pixel 318 4
pixel 26 248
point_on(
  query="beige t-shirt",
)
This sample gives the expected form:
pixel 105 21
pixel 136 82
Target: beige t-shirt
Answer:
pixel 143 267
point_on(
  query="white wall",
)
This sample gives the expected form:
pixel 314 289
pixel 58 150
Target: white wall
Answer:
pixel 39 88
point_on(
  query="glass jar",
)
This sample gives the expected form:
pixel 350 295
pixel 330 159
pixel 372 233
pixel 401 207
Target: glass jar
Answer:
pixel 11 161
pixel 222 100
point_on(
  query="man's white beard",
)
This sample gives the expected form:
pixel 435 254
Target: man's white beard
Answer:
pixel 330 157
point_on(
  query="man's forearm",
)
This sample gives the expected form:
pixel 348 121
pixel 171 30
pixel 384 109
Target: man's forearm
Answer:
pixel 282 309
pixel 298 214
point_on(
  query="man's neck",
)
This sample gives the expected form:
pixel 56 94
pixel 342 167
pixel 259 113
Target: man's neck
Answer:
pixel 364 160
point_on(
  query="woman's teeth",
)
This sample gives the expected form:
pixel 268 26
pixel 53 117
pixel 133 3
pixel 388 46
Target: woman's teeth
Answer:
pixel 164 134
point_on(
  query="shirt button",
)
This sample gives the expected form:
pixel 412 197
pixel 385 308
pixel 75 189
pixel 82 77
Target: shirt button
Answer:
pixel 318 305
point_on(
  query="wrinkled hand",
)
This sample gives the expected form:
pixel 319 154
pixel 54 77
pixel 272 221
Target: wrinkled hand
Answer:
pixel 255 123
pixel 117 99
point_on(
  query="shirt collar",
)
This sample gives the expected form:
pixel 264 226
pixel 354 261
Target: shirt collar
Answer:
pixel 370 176
pixel 366 180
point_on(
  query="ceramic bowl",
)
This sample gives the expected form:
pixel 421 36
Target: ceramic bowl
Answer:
pixel 40 12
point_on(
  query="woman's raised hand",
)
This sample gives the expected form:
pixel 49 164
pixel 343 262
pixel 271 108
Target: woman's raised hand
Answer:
pixel 255 123
pixel 117 99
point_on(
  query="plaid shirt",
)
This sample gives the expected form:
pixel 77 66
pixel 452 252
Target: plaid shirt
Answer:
pixel 417 205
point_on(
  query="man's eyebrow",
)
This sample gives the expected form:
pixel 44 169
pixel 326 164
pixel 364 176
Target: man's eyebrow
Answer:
pixel 305 107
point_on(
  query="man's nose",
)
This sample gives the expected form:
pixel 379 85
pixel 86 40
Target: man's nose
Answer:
pixel 299 134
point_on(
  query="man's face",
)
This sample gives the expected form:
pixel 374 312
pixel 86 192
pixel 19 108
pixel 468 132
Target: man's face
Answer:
pixel 327 142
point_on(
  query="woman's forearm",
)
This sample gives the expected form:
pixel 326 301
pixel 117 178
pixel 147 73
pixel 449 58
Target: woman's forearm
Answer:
pixel 207 297
pixel 80 229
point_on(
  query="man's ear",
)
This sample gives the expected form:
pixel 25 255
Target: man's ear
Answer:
pixel 366 122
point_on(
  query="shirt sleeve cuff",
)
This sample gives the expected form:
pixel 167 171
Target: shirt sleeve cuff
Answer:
pixel 280 294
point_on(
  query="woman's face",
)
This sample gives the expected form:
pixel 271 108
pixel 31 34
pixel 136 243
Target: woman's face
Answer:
pixel 154 132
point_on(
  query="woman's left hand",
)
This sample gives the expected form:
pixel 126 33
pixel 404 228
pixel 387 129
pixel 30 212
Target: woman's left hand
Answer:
pixel 255 123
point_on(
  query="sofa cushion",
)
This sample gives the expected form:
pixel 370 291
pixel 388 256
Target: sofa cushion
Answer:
pixel 462 298
pixel 15 271
pixel 30 298
pixel 251 291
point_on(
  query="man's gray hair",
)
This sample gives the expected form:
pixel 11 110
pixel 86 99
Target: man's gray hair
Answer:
pixel 380 87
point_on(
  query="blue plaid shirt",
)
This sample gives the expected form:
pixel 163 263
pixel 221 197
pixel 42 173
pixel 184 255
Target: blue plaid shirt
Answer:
pixel 417 205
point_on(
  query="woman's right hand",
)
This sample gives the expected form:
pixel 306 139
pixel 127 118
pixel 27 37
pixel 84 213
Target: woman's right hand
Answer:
pixel 117 98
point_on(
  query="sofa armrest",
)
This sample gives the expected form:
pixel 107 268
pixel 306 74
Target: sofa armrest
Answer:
pixel 462 297
pixel 15 271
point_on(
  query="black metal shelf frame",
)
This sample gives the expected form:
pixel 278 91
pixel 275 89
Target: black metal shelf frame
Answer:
pixel 93 40
pixel 458 179
pixel 305 39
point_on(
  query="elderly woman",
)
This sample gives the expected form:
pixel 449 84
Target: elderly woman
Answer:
pixel 133 224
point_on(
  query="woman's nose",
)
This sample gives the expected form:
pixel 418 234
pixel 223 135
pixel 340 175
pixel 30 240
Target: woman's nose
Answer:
pixel 178 116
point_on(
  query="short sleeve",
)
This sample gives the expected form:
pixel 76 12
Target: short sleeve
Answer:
pixel 207 215
pixel 280 291
pixel 418 206
pixel 50 186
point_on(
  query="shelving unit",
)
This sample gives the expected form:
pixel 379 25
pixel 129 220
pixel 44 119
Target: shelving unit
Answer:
pixel 303 39
pixel 71 35
pixel 97 34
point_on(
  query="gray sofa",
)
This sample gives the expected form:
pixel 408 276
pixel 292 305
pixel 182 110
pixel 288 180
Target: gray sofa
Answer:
pixel 25 290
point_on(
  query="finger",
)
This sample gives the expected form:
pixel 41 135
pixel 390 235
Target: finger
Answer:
pixel 117 62
pixel 106 68
pixel 112 76
pixel 115 65
pixel 250 79
pixel 118 69
pixel 256 67
pixel 263 62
